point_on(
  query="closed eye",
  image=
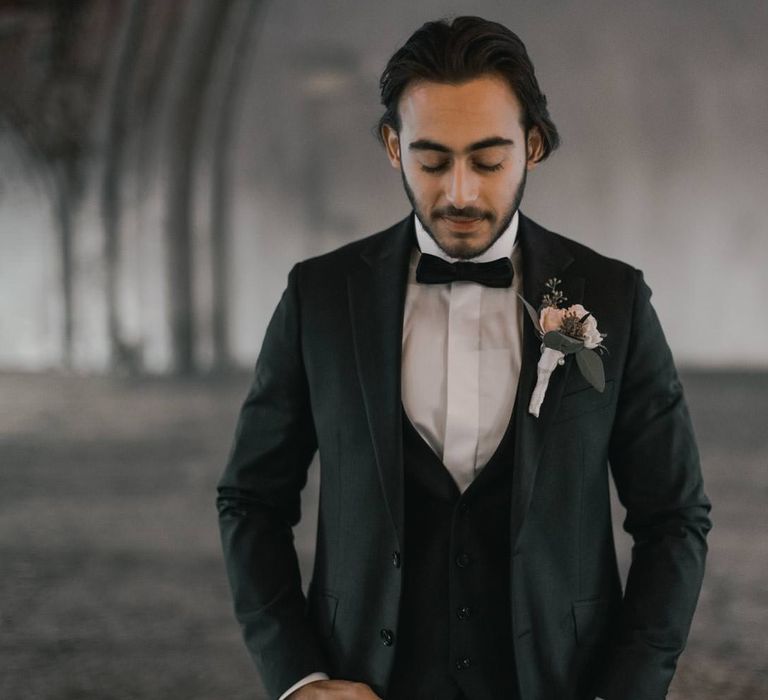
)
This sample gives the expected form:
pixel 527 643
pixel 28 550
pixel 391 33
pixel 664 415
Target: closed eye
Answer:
pixel 436 169
pixel 479 166
pixel 490 168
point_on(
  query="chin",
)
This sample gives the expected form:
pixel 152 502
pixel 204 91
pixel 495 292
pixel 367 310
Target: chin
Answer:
pixel 464 245
pixel 463 248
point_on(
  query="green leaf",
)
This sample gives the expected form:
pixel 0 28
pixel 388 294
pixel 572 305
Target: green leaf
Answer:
pixel 591 367
pixel 559 341
pixel 532 313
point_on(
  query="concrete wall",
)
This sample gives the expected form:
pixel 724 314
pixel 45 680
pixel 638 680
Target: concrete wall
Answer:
pixel 663 112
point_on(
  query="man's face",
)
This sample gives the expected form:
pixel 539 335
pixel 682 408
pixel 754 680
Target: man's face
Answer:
pixel 463 155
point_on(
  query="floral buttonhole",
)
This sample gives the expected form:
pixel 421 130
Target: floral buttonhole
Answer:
pixel 570 330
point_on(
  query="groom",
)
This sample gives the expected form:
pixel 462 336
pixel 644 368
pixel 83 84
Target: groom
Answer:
pixel 464 545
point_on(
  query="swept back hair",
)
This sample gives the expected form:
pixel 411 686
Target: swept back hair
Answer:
pixel 456 51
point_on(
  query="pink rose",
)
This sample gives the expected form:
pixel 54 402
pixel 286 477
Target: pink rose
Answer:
pixel 591 336
pixel 577 309
pixel 550 318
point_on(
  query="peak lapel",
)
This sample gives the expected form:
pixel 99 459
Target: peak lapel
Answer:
pixel 376 290
pixel 544 256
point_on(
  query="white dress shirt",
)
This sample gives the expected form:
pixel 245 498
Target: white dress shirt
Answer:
pixel 462 350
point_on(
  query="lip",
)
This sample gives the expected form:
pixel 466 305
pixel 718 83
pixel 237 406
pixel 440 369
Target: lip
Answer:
pixel 462 224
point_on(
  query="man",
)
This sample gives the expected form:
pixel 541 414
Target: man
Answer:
pixel 464 545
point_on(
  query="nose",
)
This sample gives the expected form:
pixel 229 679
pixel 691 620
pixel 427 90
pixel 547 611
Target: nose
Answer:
pixel 462 186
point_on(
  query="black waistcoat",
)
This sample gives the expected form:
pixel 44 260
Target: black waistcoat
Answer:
pixel 454 635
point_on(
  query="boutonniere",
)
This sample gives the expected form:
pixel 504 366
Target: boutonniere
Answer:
pixel 565 331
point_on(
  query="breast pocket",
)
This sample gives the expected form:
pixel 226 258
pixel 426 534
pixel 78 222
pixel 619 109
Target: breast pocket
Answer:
pixel 584 400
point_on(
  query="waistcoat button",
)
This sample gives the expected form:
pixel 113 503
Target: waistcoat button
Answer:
pixel 387 637
pixel 462 560
pixel 463 612
pixel 462 664
pixel 396 559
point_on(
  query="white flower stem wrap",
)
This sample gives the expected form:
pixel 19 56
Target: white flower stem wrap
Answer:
pixel 549 359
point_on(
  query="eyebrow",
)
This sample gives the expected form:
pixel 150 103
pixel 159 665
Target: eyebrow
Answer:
pixel 428 145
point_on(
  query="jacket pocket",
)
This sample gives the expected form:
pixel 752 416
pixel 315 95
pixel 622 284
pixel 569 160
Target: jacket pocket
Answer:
pixel 592 620
pixel 323 606
pixel 584 401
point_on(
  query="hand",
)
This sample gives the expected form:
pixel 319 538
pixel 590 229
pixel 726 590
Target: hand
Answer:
pixel 333 690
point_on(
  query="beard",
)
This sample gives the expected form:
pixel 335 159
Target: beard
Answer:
pixel 503 221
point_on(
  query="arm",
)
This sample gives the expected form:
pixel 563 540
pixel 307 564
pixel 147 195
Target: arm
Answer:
pixel 259 503
pixel 655 465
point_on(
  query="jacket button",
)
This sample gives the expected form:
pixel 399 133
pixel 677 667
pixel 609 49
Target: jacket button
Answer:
pixel 464 508
pixel 462 664
pixel 387 637
pixel 396 559
pixel 462 560
pixel 463 612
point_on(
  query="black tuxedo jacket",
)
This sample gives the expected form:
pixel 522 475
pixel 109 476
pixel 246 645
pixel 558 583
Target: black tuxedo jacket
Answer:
pixel 328 378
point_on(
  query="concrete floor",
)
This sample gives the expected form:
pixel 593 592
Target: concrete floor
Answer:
pixel 112 582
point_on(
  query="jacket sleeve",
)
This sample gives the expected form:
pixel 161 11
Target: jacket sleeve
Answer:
pixel 655 465
pixel 259 504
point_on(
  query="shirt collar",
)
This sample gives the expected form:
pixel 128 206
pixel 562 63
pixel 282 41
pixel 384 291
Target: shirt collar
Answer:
pixel 502 247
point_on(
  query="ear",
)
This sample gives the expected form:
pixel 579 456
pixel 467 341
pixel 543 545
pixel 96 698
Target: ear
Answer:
pixel 534 147
pixel 392 144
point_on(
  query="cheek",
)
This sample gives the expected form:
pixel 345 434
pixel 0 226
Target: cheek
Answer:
pixel 502 188
pixel 516 167
pixel 516 174
pixel 426 188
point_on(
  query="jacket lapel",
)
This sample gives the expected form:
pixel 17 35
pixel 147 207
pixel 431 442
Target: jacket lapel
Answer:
pixel 544 256
pixel 376 289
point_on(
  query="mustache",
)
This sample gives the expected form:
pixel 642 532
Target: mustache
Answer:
pixel 466 213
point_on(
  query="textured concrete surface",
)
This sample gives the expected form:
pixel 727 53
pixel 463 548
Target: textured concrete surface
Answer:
pixel 113 586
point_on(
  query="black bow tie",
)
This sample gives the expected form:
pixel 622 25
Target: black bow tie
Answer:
pixel 434 270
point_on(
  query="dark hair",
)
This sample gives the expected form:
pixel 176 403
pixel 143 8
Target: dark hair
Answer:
pixel 457 51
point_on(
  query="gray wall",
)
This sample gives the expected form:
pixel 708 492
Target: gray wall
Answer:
pixel 663 112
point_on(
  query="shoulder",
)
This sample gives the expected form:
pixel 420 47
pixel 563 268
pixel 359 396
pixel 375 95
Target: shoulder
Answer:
pixel 588 262
pixel 333 265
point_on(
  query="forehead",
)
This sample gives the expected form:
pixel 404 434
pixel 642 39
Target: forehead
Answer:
pixel 460 114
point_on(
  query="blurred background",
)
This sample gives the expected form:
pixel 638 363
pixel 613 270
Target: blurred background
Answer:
pixel 163 165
